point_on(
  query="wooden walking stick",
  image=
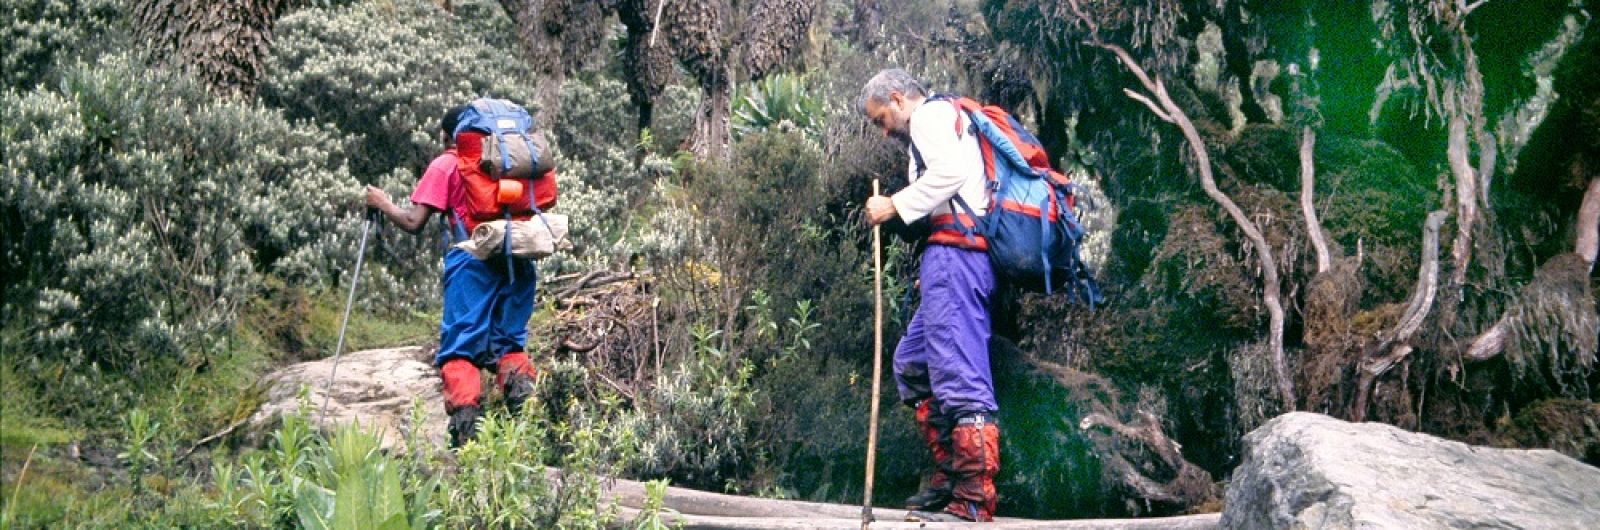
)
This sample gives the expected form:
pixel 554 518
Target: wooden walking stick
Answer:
pixel 877 365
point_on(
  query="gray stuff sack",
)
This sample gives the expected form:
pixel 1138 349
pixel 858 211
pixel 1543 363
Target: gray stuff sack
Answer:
pixel 535 238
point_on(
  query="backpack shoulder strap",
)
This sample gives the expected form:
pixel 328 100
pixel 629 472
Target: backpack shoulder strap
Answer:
pixel 1001 142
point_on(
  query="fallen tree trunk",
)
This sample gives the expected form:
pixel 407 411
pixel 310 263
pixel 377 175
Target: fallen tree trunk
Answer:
pixel 711 522
pixel 694 509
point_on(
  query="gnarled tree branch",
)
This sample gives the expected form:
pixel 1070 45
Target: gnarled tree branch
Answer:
pixel 1588 241
pixel 1269 268
pixel 1466 199
pixel 1308 140
pixel 1393 345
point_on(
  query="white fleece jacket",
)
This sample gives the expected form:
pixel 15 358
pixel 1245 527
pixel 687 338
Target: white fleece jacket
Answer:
pixel 954 164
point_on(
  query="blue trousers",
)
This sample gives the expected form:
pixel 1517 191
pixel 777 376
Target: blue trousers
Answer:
pixel 945 351
pixel 485 313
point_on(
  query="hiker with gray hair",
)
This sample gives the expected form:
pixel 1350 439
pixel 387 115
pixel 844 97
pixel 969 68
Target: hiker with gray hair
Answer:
pixel 941 365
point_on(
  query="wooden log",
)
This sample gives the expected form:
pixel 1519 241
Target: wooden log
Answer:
pixel 630 493
pixel 694 509
pixel 713 522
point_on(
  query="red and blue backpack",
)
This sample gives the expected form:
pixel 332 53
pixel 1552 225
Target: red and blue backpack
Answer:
pixel 1031 231
pixel 504 174
pixel 502 168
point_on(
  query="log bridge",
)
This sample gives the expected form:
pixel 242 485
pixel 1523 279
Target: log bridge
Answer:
pixel 699 510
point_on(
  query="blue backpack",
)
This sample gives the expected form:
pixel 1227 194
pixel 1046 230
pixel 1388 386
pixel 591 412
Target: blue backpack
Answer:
pixel 1033 234
pixel 504 174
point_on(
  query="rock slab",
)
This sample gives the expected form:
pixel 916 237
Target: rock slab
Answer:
pixel 1305 470
pixel 375 388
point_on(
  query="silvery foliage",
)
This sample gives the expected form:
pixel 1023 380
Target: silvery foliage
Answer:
pixel 601 187
pixel 37 32
pixel 141 210
pixel 386 71
pixel 667 232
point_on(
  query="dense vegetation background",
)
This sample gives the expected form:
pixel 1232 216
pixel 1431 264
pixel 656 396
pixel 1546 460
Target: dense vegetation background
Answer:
pixel 181 187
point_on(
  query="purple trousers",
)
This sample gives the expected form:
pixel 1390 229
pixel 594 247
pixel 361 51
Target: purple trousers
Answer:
pixel 945 351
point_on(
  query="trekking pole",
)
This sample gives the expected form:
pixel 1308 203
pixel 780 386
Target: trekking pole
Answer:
pixel 350 301
pixel 877 365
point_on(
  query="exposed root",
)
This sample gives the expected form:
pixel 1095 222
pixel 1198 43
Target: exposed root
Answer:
pixel 1137 453
pixel 1394 345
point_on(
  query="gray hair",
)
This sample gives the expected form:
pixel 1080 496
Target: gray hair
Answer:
pixel 888 81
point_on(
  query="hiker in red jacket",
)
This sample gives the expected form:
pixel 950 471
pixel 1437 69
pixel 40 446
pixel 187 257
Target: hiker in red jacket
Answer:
pixel 941 365
pixel 486 310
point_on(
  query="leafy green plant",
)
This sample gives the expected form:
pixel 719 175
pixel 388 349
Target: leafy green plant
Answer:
pixel 365 488
pixel 774 100
pixel 649 518
pixel 136 453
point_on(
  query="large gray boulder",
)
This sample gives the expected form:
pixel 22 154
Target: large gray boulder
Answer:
pixel 375 388
pixel 1304 470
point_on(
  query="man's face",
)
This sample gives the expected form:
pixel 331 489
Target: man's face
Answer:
pixel 892 116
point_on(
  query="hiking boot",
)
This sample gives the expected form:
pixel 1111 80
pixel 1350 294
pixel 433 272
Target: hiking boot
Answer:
pixel 935 429
pixel 975 460
pixel 463 425
pixel 929 499
pixel 515 375
pixel 518 388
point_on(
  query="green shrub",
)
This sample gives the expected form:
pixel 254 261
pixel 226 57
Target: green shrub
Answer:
pixel 384 72
pixel 694 426
pixel 141 214
pixel 502 479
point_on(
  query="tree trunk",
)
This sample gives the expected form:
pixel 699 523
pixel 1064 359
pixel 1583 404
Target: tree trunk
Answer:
pixel 646 64
pixel 543 52
pixel 699 509
pixel 868 24
pixel 557 35
pixel 223 42
pixel 773 33
pixel 695 30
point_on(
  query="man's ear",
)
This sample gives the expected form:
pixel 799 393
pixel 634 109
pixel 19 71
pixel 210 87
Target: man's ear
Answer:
pixel 898 99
